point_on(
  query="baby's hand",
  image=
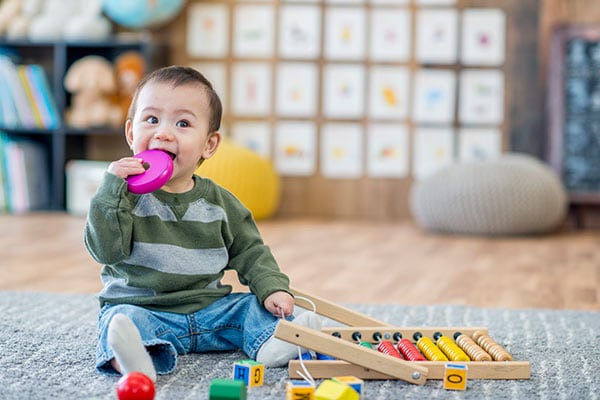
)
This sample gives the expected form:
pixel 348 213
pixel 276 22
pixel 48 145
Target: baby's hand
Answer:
pixel 277 302
pixel 126 166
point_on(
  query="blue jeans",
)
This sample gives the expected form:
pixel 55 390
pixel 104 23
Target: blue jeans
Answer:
pixel 236 321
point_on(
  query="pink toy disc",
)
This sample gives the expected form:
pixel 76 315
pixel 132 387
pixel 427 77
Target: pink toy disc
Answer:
pixel 158 173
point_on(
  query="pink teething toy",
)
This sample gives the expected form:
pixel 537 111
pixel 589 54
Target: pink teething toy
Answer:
pixel 160 169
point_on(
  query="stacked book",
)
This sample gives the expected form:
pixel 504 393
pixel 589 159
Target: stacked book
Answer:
pixel 26 100
pixel 24 175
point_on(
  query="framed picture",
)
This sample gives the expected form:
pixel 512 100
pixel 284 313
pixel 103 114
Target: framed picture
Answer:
pixel 297 89
pixel 341 150
pixel 254 135
pixel 216 73
pixel 481 97
pixel 254 34
pixel 251 89
pixel 207 30
pixel 434 96
pixel 345 33
pixel 390 35
pixel 299 31
pixel 343 91
pixel 475 144
pixel 295 148
pixel 389 92
pixel 436 36
pixel 483 37
pixel 433 149
pixel 387 150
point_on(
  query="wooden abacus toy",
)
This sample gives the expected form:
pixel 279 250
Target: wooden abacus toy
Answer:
pixel 470 343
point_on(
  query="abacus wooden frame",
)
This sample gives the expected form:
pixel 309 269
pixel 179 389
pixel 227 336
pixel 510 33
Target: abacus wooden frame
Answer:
pixel 367 364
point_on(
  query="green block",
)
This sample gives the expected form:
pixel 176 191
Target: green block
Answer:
pixel 227 389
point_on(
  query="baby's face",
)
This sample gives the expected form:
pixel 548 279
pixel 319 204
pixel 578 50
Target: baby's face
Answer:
pixel 173 119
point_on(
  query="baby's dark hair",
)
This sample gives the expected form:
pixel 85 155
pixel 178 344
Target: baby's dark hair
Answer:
pixel 178 75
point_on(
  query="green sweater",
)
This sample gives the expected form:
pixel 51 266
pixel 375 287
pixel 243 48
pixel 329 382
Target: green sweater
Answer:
pixel 168 252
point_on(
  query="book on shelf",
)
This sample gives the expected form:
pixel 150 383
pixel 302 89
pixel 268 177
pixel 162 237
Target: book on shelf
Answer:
pixel 25 98
pixel 25 176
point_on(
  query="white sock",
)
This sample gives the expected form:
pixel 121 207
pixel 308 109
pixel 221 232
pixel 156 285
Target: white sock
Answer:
pixel 125 341
pixel 276 352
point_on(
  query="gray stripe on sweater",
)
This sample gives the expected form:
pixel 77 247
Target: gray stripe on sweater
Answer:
pixel 178 260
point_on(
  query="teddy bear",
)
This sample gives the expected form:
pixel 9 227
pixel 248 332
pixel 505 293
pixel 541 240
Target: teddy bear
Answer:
pixel 91 82
pixel 130 68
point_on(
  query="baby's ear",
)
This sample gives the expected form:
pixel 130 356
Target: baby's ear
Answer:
pixel 214 139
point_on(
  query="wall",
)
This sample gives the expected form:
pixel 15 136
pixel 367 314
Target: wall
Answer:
pixel 386 198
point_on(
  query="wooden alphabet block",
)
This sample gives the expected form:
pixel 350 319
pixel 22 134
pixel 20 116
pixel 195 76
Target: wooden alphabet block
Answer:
pixel 332 390
pixel 299 390
pixel 455 377
pixel 227 389
pixel 250 372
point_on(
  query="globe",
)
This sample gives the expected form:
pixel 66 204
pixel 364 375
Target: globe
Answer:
pixel 141 14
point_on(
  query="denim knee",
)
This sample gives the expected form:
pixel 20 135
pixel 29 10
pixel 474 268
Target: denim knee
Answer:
pixel 163 352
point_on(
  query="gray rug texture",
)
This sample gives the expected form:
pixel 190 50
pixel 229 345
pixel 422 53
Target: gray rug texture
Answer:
pixel 47 345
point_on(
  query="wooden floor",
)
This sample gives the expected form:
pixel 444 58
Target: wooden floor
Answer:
pixel 348 262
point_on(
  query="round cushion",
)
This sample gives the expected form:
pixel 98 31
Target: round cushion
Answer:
pixel 513 194
pixel 251 178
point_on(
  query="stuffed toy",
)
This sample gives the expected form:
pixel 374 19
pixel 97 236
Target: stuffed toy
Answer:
pixel 9 10
pixel 91 81
pixel 130 67
pixel 69 20
pixel 18 28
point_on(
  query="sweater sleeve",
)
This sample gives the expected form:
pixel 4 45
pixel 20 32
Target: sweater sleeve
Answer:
pixel 251 258
pixel 108 229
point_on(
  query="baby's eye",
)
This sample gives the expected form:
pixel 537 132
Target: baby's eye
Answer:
pixel 183 124
pixel 152 120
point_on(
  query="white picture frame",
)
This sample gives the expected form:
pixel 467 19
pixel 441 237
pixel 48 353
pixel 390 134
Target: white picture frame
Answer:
pixel 483 41
pixel 341 150
pixel 389 92
pixel 345 36
pixel 251 89
pixel 343 91
pixel 207 30
pixel 433 149
pixel 436 40
pixel 478 144
pixel 387 150
pixel 254 31
pixel 481 97
pixel 299 31
pixel 390 35
pixel 295 149
pixel 253 135
pixel 216 73
pixel 297 89
pixel 434 99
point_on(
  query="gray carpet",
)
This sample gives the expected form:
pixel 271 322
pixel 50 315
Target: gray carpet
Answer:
pixel 47 344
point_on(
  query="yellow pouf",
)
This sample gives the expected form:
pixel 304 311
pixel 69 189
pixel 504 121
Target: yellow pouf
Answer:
pixel 251 178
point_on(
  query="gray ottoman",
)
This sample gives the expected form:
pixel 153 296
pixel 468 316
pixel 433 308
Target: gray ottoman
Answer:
pixel 514 194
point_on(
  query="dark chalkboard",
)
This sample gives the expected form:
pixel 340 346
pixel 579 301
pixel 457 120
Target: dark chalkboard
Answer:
pixel 574 110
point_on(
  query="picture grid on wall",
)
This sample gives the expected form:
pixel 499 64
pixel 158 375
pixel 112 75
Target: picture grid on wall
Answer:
pixel 354 88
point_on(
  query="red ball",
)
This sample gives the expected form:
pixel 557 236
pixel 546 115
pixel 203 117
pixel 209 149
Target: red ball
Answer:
pixel 135 386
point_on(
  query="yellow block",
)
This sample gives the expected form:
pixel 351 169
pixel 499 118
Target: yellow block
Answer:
pixel 299 390
pixel 332 390
pixel 249 371
pixel 352 381
pixel 251 178
pixel 455 377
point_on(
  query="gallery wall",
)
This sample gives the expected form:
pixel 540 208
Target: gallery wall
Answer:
pixel 354 100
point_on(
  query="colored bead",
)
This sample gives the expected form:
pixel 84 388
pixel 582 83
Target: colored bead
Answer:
pixel 450 349
pixel 473 350
pixel 497 352
pixel 135 386
pixel 409 351
pixel 428 348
